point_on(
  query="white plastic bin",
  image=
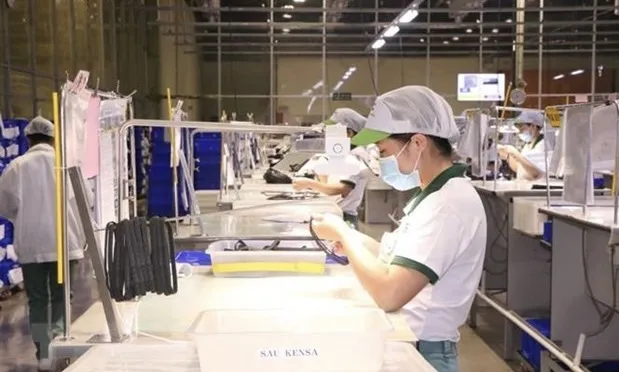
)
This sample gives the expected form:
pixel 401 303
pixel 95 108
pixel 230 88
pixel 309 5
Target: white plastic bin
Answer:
pixel 342 339
pixel 259 263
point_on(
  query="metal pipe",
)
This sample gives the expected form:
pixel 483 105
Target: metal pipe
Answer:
pixel 356 10
pixel 428 42
pixel 594 47
pixel 524 326
pixel 272 72
pixel 212 127
pixel 309 45
pixel 494 52
pixel 363 37
pixel 616 174
pixel 324 60
pixel 72 32
pixel 519 44
pixel 372 25
pixel 32 51
pixel 377 30
pixel 65 211
pixel 540 56
pixel 7 60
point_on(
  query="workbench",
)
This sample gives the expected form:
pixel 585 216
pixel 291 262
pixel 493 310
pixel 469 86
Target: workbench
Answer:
pixel 169 317
pixel 580 240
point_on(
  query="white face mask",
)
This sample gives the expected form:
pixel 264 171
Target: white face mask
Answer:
pixel 390 173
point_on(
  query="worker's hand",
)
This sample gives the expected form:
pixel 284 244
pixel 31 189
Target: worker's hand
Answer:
pixel 301 183
pixel 329 227
pixel 505 151
pixel 338 248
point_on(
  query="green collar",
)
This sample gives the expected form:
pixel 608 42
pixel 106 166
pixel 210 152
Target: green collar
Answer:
pixel 455 171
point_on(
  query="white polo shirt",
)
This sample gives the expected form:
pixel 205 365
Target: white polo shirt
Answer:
pixel 358 182
pixel 443 236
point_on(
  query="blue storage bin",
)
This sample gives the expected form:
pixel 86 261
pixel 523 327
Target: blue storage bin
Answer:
pixel 547 236
pixel 605 367
pixel 531 349
pixel 194 258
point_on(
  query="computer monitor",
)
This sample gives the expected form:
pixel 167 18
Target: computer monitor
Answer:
pixel 481 87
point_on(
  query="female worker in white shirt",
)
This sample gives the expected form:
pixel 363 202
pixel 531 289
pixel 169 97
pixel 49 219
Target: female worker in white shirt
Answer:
pixel 430 266
pixel 529 162
pixel 352 188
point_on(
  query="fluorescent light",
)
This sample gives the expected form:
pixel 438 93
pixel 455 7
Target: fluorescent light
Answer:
pixel 468 30
pixel 352 69
pixel 287 16
pixel 286 30
pixel 560 76
pixel 577 72
pixel 378 44
pixel 288 6
pixel 446 42
pixel 455 38
pixel 485 38
pixel 338 85
pixel 408 16
pixel 317 85
pixel 391 31
pixel 495 30
pixel 298 1
pixel 422 40
pixel 508 20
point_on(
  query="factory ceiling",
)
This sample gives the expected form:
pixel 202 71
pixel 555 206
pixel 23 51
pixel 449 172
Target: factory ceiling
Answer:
pixel 441 27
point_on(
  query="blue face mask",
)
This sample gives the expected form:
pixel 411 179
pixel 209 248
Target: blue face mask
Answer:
pixel 525 137
pixel 390 173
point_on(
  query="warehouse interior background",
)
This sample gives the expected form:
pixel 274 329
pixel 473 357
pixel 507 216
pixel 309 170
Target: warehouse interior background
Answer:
pixel 282 60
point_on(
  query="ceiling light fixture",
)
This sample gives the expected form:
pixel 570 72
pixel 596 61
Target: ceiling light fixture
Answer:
pixel 378 44
pixel 422 40
pixel 286 30
pixel 576 72
pixel 287 15
pixel 508 20
pixel 558 77
pixel 288 6
pixel 391 31
pixel 485 38
pixel 495 30
pixel 407 15
pixel 298 1
pixel 455 38
pixel 446 42
pixel 468 30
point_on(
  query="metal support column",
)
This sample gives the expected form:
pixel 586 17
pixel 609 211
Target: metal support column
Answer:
pixel 272 72
pixel 428 37
pixel 481 42
pixel 32 46
pixel 65 211
pixel 94 254
pixel 72 33
pixel 377 31
pixel 324 60
pixel 519 47
pixel 7 60
pixel 594 28
pixel 540 57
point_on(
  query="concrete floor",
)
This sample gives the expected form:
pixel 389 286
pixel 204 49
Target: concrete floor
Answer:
pixel 17 350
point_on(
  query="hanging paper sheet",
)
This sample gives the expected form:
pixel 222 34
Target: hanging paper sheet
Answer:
pixel 91 148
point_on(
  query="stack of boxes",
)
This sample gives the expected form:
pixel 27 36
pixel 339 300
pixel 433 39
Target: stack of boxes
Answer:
pixel 13 143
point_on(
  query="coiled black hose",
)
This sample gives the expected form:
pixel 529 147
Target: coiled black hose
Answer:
pixel 139 258
pixel 338 259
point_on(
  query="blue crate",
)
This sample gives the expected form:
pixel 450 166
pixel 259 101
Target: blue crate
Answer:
pixel 207 135
pixel 605 367
pixel 531 349
pixel 194 258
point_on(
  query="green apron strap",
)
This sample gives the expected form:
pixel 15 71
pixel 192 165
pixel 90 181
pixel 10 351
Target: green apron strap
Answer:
pixel 455 171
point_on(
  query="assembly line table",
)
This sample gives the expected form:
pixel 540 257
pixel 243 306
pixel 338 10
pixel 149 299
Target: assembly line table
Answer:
pixel 170 317
pixel 580 242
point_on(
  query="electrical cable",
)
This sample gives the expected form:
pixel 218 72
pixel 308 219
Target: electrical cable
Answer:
pixel 140 258
pixel 330 254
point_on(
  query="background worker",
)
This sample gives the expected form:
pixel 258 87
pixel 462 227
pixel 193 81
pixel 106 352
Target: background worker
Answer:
pixel 27 198
pixel 528 163
pixel 351 189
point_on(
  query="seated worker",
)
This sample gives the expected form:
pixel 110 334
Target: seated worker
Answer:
pixel 352 188
pixel 529 162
